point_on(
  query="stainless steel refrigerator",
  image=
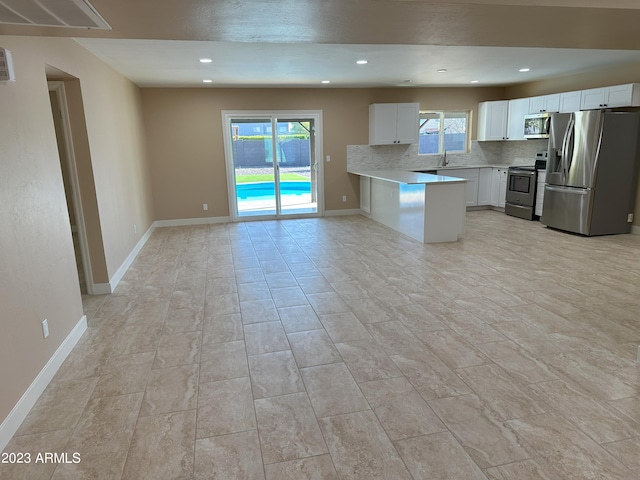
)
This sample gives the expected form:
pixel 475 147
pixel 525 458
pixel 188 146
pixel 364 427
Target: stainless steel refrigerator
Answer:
pixel 592 172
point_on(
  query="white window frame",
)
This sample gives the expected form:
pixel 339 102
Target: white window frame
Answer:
pixel 442 114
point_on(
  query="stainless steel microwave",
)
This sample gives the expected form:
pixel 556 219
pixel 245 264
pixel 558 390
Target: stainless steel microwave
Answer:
pixel 537 125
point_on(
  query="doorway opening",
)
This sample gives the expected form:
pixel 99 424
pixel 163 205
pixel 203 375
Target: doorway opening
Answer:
pixel 69 177
pixel 77 173
pixel 272 164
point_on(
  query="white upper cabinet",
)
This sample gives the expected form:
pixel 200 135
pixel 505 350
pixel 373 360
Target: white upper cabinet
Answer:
pixel 545 103
pixel 570 101
pixel 592 99
pixel 515 119
pixel 492 120
pixel 502 120
pixel 609 97
pixel 393 123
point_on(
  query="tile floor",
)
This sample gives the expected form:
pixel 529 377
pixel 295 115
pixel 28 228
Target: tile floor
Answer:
pixel 335 348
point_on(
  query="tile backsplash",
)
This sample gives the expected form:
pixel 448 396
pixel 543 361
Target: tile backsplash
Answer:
pixel 405 157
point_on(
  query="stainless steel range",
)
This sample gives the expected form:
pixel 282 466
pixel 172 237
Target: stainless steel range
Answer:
pixel 521 192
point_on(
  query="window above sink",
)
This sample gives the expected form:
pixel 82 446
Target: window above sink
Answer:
pixel 441 131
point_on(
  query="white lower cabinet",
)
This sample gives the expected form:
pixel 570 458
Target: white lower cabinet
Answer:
pixel 499 187
pixel 484 186
pixel 542 180
pixel 471 187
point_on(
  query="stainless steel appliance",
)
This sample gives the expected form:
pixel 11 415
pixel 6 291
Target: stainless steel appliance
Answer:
pixel 521 192
pixel 536 125
pixel 592 172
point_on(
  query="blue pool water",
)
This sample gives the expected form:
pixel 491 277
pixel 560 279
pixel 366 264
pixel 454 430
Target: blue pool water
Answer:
pixel 266 190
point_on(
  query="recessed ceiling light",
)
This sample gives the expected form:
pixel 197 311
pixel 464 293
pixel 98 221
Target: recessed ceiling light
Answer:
pixel 524 69
pixel 442 70
pixel 474 81
pixel 326 81
pixel 362 62
pixel 207 81
pixel 205 60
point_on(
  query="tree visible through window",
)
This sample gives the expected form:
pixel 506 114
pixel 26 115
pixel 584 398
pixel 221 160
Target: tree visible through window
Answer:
pixel 443 131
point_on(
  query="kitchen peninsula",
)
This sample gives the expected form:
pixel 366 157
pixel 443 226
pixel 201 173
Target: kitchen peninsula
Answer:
pixel 428 208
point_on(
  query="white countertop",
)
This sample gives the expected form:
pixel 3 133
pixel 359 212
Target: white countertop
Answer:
pixel 401 176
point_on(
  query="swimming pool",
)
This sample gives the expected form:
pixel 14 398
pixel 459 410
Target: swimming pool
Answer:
pixel 266 190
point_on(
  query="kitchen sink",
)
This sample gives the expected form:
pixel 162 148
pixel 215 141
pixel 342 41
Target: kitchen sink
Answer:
pixel 432 171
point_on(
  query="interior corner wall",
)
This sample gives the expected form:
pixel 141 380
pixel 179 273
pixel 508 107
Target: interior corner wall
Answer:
pixel 36 252
pixel 186 150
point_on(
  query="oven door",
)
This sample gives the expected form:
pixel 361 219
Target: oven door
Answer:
pixel 521 187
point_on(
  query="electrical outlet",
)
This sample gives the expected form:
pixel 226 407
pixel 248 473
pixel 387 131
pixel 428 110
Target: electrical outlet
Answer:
pixel 344 198
pixel 205 206
pixel 630 218
pixel 135 228
pixel 45 328
pixel 328 158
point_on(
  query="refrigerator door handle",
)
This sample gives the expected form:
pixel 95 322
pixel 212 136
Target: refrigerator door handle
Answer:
pixel 565 148
pixel 570 190
pixel 570 147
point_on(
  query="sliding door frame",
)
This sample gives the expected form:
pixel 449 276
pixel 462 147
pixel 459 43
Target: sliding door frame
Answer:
pixel 315 115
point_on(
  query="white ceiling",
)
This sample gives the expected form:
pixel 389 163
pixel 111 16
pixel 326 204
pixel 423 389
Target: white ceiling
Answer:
pixel 164 63
pixel 298 43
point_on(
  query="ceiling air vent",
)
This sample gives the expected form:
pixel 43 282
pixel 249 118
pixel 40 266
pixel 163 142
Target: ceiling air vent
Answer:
pixel 51 13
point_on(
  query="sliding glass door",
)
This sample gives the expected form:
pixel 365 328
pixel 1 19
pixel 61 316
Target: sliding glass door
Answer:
pixel 271 164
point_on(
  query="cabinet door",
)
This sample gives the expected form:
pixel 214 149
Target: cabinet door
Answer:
pixel 492 124
pixel 618 96
pixel 407 123
pixel 382 123
pixel 570 102
pixel 517 110
pixel 471 188
pixel 545 103
pixel 536 104
pixel 503 188
pixel 495 187
pixel 539 198
pixel 472 192
pixel 484 186
pixel 592 99
pixel 552 103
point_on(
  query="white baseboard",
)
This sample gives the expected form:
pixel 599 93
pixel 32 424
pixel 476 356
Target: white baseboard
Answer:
pixel 20 411
pixel 336 213
pixel 183 222
pixel 101 289
pixel 635 230
pixel 115 280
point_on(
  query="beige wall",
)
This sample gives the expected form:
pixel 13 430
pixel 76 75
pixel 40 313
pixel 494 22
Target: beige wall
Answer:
pixel 39 278
pixel 185 142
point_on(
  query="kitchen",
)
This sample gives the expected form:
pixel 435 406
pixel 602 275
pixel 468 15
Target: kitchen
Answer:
pixel 520 191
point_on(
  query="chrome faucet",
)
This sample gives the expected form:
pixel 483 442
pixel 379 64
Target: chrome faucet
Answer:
pixel 444 159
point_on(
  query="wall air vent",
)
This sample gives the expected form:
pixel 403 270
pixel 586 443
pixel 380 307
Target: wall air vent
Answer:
pixel 51 13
